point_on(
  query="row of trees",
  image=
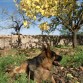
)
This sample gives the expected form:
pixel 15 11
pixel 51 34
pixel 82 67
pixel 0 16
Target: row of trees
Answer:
pixel 67 13
pixel 70 17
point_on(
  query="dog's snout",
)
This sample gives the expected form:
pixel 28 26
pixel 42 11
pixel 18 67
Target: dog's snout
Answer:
pixel 59 58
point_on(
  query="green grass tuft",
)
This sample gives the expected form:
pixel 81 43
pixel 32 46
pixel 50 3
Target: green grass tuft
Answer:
pixel 75 60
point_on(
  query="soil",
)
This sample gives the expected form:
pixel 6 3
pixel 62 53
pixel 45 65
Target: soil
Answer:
pixel 68 75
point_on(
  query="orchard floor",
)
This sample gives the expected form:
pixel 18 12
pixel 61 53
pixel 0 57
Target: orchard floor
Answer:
pixel 70 70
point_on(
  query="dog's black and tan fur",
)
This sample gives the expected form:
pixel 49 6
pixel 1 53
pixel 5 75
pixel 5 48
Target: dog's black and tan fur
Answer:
pixel 39 67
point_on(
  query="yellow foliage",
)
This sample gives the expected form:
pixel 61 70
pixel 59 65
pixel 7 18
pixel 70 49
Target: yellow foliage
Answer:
pixel 25 23
pixel 39 6
pixel 46 8
pixel 44 26
pixel 34 18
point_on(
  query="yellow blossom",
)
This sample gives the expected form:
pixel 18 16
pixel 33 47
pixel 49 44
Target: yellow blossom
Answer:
pixel 25 23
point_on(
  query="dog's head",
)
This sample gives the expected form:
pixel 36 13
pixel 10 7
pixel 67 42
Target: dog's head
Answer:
pixel 55 57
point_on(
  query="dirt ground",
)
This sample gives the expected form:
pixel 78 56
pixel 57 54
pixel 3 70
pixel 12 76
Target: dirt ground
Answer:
pixel 68 75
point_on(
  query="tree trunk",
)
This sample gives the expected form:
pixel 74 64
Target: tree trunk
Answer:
pixel 19 39
pixel 42 37
pixel 74 39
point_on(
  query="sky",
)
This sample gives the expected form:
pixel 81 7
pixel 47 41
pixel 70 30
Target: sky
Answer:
pixel 10 7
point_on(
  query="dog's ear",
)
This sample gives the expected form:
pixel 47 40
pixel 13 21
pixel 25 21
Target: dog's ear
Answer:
pixel 44 47
pixel 48 51
pixel 48 47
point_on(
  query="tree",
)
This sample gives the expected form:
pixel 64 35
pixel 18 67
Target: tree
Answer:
pixel 17 25
pixel 17 21
pixel 67 12
pixel 71 17
pixel 80 31
pixel 63 31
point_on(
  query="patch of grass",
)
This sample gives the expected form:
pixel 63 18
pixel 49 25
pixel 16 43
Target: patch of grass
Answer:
pixel 73 61
pixel 6 61
pixel 14 59
pixel 62 46
pixel 21 79
pixel 3 77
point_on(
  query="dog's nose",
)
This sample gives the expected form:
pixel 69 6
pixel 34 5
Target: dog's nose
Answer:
pixel 59 58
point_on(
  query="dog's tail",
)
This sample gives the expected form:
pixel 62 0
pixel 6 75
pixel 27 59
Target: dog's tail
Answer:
pixel 18 70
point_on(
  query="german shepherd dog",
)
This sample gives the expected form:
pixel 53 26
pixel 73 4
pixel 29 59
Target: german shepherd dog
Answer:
pixel 39 67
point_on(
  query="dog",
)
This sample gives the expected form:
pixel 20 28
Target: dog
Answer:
pixel 39 67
